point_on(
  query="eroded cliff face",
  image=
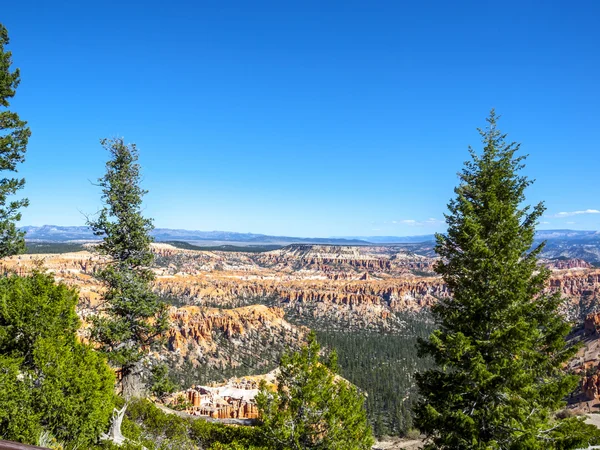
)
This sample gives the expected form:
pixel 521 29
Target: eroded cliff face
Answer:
pixel 360 287
pixel 358 303
pixel 562 264
pixel 214 336
pixel 232 399
pixel 581 287
pixel 586 364
pixel 344 259
pixel 231 312
pixel 199 324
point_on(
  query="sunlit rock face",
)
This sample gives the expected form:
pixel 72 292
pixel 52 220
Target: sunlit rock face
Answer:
pixel 233 399
pixel 591 326
pixel 586 364
pixel 233 309
pixel 359 286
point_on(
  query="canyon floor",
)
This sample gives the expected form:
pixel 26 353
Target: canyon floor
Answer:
pixel 235 313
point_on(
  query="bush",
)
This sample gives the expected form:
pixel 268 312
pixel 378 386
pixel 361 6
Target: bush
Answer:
pixel 147 425
pixel 210 433
pixel 48 379
pixel 413 434
pixel 311 408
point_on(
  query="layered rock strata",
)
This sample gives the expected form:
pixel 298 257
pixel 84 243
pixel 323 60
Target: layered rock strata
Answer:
pixel 233 399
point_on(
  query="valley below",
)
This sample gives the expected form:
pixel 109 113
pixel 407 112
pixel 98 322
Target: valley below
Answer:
pixel 234 313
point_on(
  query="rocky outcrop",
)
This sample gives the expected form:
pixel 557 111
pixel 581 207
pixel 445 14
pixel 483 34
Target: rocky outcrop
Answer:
pixel 396 294
pixel 590 387
pixel 576 284
pixel 360 286
pixel 205 344
pixel 367 303
pixel 586 363
pixel 193 326
pixel 339 259
pixel 565 264
pixel 233 399
pixel 591 325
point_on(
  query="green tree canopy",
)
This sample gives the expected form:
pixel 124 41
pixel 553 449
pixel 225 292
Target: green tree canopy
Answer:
pixel 501 341
pixel 131 317
pixel 311 407
pixel 14 135
pixel 49 381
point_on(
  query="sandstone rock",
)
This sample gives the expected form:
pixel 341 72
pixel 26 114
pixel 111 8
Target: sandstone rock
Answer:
pixel 591 325
pixel 233 399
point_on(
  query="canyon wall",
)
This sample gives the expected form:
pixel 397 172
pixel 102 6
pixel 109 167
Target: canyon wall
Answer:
pixel 359 286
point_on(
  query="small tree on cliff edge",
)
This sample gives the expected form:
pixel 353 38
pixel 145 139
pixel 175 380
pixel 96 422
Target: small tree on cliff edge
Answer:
pixel 311 408
pixel 14 135
pixel 131 317
pixel 501 341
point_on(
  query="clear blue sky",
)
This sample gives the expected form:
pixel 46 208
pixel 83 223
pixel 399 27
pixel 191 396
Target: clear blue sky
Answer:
pixel 306 118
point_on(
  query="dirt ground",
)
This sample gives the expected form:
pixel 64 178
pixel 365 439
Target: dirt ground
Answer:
pixel 397 444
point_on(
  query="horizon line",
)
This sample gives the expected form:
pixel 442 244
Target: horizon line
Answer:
pixel 346 237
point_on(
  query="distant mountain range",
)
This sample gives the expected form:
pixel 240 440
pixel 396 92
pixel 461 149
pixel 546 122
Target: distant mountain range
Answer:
pixel 570 235
pixel 54 233
pixel 393 239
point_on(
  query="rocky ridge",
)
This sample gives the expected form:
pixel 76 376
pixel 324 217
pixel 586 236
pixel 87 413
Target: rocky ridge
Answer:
pixel 229 337
pixel 352 285
pixel 229 307
pixel 586 364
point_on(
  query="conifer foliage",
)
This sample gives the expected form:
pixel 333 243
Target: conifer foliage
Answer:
pixel 501 341
pixel 14 136
pixel 49 382
pixel 311 407
pixel 132 317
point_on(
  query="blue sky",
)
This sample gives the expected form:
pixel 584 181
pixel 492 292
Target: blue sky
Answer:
pixel 307 118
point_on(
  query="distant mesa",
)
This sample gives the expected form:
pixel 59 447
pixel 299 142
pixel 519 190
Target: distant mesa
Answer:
pixel 54 233
pixel 395 239
pixel 561 244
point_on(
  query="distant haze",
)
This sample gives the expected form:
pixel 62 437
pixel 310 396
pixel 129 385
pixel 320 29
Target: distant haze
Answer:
pixel 54 233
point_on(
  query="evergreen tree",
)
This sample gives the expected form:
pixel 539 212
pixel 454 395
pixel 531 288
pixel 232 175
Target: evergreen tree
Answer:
pixel 161 383
pixel 49 381
pixel 311 407
pixel 501 341
pixel 131 317
pixel 18 420
pixel 14 135
pixel 378 426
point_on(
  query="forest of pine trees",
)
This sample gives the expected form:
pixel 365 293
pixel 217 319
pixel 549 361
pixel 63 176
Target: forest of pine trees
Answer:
pixel 383 365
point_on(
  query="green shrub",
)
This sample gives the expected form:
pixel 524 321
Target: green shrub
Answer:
pixel 160 382
pixel 146 424
pixel 48 379
pixel 235 446
pixel 210 433
pixel 18 420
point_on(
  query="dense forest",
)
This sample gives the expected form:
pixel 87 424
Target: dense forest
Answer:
pixel 383 365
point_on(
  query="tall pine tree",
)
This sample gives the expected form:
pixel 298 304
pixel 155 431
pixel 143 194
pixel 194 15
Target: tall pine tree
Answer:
pixel 131 317
pixel 49 381
pixel 311 407
pixel 501 341
pixel 14 135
